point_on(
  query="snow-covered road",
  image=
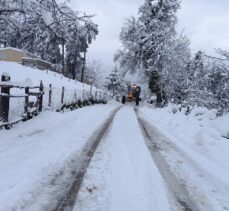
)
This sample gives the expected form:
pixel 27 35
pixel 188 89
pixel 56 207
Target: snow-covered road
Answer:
pixel 103 161
pixel 122 175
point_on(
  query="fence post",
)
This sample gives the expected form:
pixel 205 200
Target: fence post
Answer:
pixel 96 94
pixel 83 94
pixel 50 95
pixel 75 95
pixel 62 96
pixel 41 89
pixel 5 100
pixel 26 102
pixel 91 90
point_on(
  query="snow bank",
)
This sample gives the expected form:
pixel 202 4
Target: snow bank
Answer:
pixel 199 120
pixel 200 134
pixel 222 125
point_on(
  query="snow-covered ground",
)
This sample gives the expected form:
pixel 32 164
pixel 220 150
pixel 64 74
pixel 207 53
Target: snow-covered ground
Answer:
pixel 122 175
pixel 36 159
pixel 32 154
pixel 200 137
pixel 22 75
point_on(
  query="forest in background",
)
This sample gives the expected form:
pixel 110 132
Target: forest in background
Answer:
pixel 161 57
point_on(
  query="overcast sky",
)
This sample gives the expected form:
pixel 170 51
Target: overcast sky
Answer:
pixel 206 22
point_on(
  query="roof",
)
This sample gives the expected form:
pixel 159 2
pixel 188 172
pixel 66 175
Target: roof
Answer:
pixel 10 48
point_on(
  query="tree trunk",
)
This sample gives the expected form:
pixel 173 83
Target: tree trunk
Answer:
pixel 74 66
pixel 83 68
pixel 63 65
pixel 159 99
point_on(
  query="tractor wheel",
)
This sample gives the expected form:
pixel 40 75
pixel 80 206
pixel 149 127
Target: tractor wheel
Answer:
pixel 137 101
pixel 123 99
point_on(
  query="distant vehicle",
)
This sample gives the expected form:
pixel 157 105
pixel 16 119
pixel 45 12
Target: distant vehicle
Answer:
pixel 133 94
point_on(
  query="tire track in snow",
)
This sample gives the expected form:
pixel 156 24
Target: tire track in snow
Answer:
pixel 204 189
pixel 66 203
pixel 175 186
pixel 123 172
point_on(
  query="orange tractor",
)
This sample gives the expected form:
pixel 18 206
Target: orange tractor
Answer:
pixel 133 94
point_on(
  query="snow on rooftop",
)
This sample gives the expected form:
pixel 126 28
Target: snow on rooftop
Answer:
pixel 10 48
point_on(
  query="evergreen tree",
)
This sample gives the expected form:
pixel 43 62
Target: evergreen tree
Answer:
pixel 114 82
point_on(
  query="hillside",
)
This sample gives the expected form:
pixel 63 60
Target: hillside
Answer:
pixel 20 73
pixel 26 76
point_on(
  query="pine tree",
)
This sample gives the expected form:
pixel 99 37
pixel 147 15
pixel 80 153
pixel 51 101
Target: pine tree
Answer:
pixel 114 82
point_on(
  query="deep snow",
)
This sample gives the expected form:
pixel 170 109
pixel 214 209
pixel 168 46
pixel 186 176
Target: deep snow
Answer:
pixel 122 174
pixel 33 153
pixel 20 73
pixel 23 75
pixel 198 136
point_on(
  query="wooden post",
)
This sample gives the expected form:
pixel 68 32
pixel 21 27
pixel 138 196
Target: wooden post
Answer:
pixel 83 94
pixel 26 110
pixel 50 95
pixel 91 90
pixel 62 96
pixel 96 95
pixel 41 89
pixel 5 100
pixel 75 95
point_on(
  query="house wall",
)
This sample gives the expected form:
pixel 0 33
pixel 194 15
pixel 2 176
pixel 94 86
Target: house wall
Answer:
pixel 11 55
pixel 38 63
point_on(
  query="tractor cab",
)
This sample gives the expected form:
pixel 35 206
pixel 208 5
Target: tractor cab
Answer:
pixel 133 94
